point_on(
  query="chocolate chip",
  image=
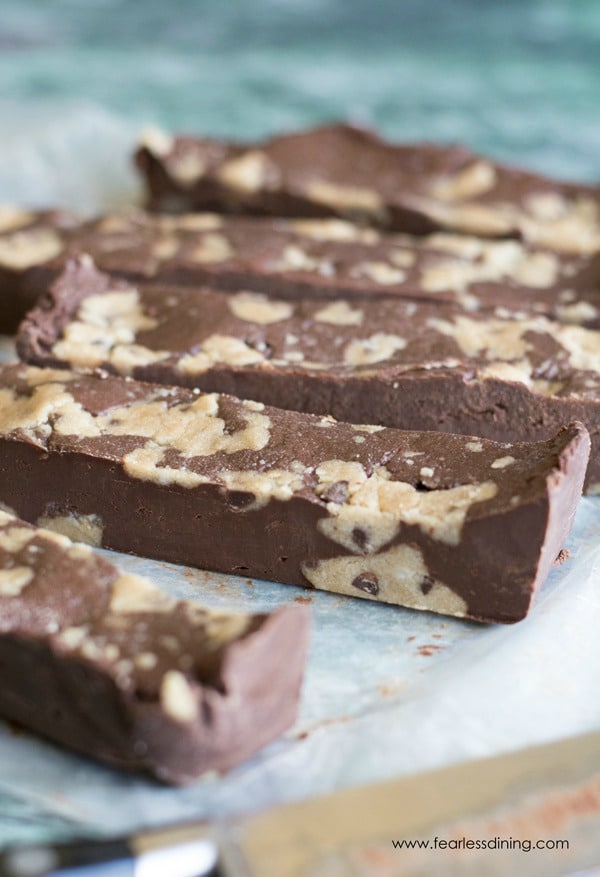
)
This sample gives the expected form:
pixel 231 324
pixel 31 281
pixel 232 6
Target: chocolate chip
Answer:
pixel 239 499
pixel 427 584
pixel 336 492
pixel 548 370
pixel 359 536
pixel 366 581
pixel 261 346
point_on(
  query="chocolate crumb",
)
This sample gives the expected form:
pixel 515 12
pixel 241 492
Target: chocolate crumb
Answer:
pixel 562 555
pixel 389 689
pixel 429 649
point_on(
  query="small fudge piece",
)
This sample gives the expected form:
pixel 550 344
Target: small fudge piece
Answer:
pixel 456 525
pixel 28 238
pixel 106 664
pixel 348 172
pixel 317 258
pixel 404 364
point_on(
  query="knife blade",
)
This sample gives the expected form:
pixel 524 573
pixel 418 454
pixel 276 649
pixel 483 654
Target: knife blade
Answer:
pixel 416 826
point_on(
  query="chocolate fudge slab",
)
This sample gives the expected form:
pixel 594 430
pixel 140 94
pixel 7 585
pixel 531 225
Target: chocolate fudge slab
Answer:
pixel 411 365
pixel 314 258
pixel 106 664
pixel 456 525
pixel 351 173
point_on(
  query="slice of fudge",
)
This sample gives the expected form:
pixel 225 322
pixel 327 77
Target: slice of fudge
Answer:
pixel 305 258
pixel 411 365
pixel 348 172
pixel 457 525
pixel 106 664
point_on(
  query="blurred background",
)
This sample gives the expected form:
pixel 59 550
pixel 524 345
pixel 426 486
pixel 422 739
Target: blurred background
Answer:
pixel 518 79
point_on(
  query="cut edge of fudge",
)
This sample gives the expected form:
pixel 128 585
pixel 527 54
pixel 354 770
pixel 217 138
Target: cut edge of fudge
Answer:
pixel 106 664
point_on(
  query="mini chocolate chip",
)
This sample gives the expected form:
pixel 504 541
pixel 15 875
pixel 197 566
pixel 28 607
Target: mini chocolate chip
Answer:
pixel 261 346
pixel 427 584
pixel 336 492
pixel 359 536
pixel 366 581
pixel 240 499
pixel 547 369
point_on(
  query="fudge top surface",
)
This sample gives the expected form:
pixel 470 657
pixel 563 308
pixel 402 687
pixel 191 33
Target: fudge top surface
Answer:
pixel 184 439
pixel 92 321
pixel 349 169
pixel 327 252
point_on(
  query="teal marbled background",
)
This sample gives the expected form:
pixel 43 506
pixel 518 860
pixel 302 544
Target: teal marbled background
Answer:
pixel 519 79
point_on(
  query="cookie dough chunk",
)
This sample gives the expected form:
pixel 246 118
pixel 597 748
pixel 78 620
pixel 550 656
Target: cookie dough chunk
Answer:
pixel 456 525
pixel 410 365
pixel 106 664
pixel 291 259
pixel 351 173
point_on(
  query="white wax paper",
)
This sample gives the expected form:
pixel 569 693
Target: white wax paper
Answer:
pixel 388 691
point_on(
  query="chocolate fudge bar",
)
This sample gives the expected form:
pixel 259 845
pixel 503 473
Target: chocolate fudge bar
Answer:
pixel 339 170
pixel 412 365
pixel 106 664
pixel 315 257
pixel 452 524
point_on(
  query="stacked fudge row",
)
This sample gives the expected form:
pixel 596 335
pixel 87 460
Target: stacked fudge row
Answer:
pixel 355 366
